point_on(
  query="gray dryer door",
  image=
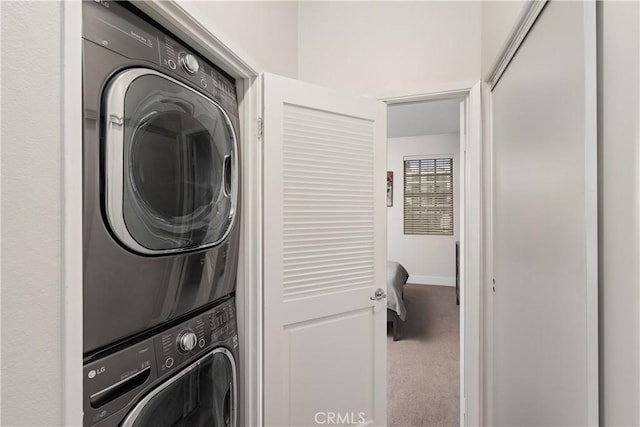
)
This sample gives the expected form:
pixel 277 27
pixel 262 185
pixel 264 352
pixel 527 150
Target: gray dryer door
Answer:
pixel 170 164
pixel 202 395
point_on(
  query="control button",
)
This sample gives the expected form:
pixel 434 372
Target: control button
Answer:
pixel 190 63
pixel 201 343
pixel 172 64
pixel 169 362
pixel 203 82
pixel 187 341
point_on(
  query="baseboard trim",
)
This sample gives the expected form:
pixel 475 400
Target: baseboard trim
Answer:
pixel 432 280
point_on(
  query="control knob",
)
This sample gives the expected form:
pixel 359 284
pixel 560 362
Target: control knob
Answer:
pixel 187 341
pixel 190 63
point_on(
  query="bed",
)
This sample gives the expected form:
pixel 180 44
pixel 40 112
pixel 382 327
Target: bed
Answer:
pixel 396 278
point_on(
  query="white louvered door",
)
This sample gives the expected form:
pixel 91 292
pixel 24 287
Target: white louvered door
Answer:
pixel 324 256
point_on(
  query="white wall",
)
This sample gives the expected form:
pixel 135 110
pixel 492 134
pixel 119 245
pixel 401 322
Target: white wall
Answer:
pixel 31 214
pixel 428 259
pixel 369 47
pixel 265 30
pixel 423 118
pixel 619 171
pixel 355 46
pixel 498 21
pixel 619 151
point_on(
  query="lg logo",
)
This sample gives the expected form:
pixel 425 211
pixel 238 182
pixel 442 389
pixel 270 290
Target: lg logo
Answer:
pixel 338 418
pixel 92 373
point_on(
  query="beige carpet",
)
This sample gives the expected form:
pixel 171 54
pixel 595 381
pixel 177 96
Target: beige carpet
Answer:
pixel 423 367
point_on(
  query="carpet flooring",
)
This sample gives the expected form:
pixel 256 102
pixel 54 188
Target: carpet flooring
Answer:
pixel 423 377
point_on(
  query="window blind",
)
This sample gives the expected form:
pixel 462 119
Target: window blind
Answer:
pixel 428 196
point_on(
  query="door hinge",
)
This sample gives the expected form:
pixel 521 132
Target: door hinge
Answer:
pixel 260 127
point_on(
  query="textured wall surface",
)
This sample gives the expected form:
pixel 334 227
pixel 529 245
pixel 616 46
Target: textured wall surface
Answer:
pixel 31 214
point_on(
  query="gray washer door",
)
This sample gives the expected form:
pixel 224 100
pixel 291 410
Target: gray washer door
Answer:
pixel 202 395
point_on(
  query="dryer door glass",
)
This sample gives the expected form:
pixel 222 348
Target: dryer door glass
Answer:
pixel 203 396
pixel 178 154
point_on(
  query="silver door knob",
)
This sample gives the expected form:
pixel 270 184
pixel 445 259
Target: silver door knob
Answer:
pixel 379 294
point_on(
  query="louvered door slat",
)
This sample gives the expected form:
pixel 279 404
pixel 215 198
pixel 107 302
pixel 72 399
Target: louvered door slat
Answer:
pixel 307 133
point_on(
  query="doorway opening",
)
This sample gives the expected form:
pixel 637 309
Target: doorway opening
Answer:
pixel 472 200
pixel 423 237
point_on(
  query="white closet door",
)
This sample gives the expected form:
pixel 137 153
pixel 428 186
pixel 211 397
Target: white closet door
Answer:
pixel 545 225
pixel 324 256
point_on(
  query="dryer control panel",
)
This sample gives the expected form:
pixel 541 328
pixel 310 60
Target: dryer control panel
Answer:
pixel 114 382
pixel 119 28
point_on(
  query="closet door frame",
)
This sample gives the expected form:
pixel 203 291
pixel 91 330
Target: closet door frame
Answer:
pixel 530 12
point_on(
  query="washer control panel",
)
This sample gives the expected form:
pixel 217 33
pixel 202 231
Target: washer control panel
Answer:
pixel 112 382
pixel 179 344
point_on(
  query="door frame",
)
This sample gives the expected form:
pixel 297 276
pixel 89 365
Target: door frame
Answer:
pixel 472 279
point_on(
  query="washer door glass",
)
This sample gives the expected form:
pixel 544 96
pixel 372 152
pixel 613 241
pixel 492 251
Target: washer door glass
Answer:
pixel 203 395
pixel 178 154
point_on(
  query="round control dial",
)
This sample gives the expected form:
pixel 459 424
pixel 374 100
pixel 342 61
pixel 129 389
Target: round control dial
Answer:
pixel 187 341
pixel 190 63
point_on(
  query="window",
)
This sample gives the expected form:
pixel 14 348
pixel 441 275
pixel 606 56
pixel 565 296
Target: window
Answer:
pixel 428 196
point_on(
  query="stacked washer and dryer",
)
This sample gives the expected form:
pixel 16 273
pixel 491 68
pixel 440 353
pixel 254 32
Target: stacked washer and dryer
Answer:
pixel 160 227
